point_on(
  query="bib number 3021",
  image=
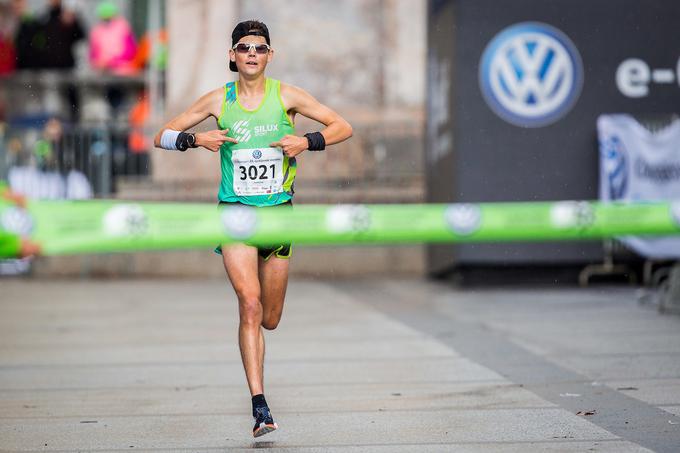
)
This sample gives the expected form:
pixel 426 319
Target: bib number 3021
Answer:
pixel 257 171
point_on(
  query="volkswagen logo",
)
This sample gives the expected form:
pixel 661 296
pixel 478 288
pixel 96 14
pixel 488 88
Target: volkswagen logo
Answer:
pixel 614 166
pixel 572 214
pixel 240 222
pixel 531 74
pixel 463 219
pixel 343 219
pixel 125 220
pixel 257 154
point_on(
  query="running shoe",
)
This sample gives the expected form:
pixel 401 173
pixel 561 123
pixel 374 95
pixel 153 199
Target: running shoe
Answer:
pixel 264 423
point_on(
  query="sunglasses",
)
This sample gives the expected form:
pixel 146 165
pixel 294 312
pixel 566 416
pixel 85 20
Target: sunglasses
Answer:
pixel 244 47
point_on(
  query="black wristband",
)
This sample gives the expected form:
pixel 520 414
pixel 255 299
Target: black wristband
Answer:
pixel 316 141
pixel 185 140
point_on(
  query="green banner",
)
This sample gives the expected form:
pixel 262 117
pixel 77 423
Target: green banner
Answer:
pixel 75 227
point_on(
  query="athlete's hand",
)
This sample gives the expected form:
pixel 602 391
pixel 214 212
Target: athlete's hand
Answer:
pixel 292 145
pixel 212 140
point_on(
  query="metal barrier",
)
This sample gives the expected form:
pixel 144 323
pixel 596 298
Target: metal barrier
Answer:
pixel 99 152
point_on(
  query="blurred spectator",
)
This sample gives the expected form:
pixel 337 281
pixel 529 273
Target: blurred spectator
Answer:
pixel 144 57
pixel 138 140
pixel 112 43
pixel 7 27
pixel 29 37
pixel 7 56
pixel 112 49
pixel 44 177
pixel 62 30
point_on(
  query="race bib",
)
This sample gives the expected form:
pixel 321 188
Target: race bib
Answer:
pixel 257 171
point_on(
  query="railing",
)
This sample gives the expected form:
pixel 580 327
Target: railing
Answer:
pixel 98 152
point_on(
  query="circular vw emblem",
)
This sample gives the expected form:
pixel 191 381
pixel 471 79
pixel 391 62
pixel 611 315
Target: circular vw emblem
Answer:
pixel 572 214
pixel 125 220
pixel 531 74
pixel 463 219
pixel 257 154
pixel 348 219
pixel 240 222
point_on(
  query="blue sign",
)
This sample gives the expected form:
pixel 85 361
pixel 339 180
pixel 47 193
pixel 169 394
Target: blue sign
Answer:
pixel 614 166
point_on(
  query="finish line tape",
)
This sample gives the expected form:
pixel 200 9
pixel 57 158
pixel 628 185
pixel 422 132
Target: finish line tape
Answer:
pixel 99 226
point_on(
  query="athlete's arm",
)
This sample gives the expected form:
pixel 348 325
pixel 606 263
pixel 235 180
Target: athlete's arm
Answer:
pixel 208 105
pixel 297 100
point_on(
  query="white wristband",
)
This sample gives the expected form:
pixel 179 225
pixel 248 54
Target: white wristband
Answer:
pixel 169 139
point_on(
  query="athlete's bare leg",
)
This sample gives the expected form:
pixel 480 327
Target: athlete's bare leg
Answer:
pixel 261 289
pixel 273 275
pixel 241 264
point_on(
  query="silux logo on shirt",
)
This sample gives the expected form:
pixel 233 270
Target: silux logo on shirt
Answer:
pixel 242 132
pixel 261 130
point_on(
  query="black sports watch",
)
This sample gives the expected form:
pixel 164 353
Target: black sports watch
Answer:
pixel 185 140
pixel 191 141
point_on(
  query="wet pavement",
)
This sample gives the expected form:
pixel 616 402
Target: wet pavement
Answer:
pixel 355 365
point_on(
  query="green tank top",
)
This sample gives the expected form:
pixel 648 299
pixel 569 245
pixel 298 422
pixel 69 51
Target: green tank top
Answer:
pixel 253 173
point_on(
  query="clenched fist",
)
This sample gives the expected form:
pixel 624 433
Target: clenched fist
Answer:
pixel 212 140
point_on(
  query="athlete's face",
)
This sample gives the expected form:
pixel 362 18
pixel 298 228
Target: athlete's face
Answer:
pixel 251 62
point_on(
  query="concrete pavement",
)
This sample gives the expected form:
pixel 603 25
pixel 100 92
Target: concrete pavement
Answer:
pixel 355 365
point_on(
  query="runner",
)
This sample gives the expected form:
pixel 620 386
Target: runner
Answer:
pixel 257 144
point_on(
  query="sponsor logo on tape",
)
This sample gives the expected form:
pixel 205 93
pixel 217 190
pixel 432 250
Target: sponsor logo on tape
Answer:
pixel 125 220
pixel 348 219
pixel 463 219
pixel 572 214
pixel 240 222
pixel 17 221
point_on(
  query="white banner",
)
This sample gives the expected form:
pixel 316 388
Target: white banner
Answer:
pixel 639 165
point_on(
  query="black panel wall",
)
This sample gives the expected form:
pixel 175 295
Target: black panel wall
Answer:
pixel 474 155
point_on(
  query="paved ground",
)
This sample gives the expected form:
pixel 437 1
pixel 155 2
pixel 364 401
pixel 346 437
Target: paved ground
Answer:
pixel 383 366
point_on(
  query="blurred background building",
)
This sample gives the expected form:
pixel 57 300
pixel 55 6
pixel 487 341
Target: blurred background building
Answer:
pixel 129 66
pixel 450 100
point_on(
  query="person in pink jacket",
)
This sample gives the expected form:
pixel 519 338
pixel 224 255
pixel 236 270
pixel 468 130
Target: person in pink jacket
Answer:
pixel 112 43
